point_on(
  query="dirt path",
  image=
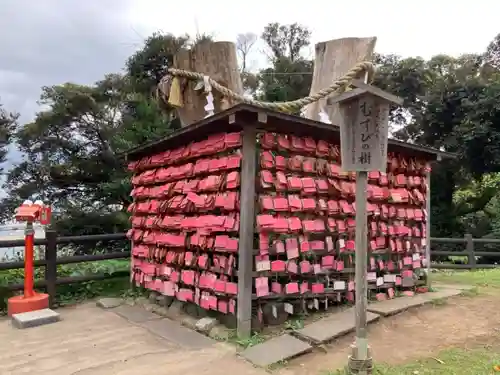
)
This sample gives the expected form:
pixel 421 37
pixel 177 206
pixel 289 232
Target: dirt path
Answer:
pixel 463 322
pixel 90 341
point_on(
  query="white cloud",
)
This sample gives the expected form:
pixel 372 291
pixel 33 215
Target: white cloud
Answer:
pixel 425 28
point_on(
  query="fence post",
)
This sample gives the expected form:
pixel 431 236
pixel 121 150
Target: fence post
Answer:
pixel 469 247
pixel 51 265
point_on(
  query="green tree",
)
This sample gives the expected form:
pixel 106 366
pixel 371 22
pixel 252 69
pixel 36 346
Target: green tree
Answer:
pixel 68 148
pixel 70 153
pixel 450 103
pixel 290 75
pixel 148 65
pixel 8 123
pixel 286 40
pixel 492 55
pixel 72 145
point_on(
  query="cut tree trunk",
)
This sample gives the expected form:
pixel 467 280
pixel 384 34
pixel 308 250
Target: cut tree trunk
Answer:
pixel 333 59
pixel 218 60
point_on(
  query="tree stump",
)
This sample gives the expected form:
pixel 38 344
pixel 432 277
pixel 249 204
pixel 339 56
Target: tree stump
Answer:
pixel 219 61
pixel 333 59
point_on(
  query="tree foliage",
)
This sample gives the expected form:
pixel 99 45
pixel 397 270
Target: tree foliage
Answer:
pixel 8 123
pixel 451 103
pixel 149 64
pixel 71 148
pixel 290 75
pixel 286 40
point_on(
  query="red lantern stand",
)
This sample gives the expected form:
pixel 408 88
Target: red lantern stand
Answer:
pixel 30 300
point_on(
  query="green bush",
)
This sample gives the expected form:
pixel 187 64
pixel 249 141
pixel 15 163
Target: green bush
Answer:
pixel 79 291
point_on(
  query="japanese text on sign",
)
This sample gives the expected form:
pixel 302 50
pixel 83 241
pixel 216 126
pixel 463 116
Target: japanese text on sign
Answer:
pixel 365 135
pixel 367 132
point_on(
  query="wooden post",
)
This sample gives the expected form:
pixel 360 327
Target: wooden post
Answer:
pixel 469 247
pixel 219 61
pixel 246 234
pixel 133 285
pixel 333 59
pixel 428 230
pixel 51 265
pixel 361 257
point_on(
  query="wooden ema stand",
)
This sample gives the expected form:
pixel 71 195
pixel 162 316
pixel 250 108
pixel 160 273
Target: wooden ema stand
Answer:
pixel 362 114
pixel 29 300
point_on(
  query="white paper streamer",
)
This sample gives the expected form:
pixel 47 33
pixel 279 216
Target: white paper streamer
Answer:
pixel 323 117
pixel 206 84
pixel 209 107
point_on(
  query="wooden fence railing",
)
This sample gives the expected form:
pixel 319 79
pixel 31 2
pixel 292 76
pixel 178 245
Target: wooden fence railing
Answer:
pixel 51 260
pixel 470 251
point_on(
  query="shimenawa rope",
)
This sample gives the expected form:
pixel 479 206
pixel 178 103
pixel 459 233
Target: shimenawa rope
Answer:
pixel 338 87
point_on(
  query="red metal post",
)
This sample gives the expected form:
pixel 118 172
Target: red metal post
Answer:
pixel 30 300
pixel 29 234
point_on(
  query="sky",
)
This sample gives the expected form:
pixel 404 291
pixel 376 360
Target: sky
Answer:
pixel 49 42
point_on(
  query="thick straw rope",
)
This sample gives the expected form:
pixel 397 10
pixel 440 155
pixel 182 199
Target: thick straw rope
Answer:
pixel 336 87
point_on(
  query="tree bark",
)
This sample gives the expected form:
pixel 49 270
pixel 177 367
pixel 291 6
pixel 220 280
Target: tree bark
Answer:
pixel 218 60
pixel 333 59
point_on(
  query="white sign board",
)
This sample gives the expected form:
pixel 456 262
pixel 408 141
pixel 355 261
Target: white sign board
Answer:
pixel 363 134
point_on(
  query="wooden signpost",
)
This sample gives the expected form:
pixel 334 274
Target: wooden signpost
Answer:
pixel 364 122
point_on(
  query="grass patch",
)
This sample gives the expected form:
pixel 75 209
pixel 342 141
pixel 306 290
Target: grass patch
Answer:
pixel 294 324
pixel 278 365
pixel 253 340
pixel 439 301
pixel 448 362
pixel 459 259
pixel 481 278
pixel 470 293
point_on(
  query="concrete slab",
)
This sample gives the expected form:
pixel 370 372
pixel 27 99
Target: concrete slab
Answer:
pixel 177 334
pixel 397 305
pixel 135 314
pixel 92 341
pixel 439 286
pixel 332 327
pixel 35 318
pixel 442 293
pixel 275 350
pixel 109 303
